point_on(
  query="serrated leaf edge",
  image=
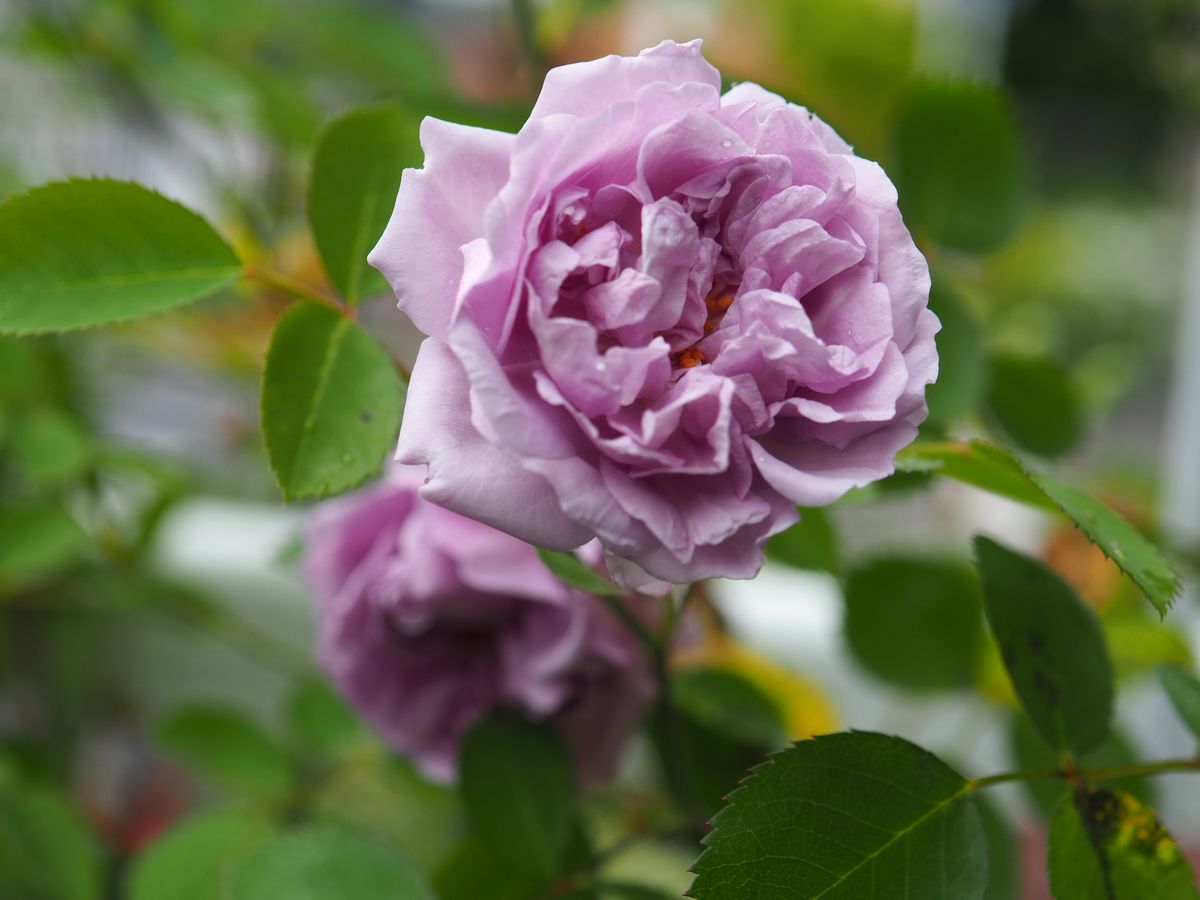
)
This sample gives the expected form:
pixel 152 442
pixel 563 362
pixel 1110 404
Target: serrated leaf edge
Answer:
pixel 918 464
pixel 234 270
pixel 731 800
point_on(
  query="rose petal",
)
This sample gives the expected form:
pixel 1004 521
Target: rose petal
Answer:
pixel 439 208
pixel 466 473
pixel 586 88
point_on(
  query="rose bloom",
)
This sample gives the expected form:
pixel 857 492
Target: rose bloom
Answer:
pixel 658 315
pixel 428 620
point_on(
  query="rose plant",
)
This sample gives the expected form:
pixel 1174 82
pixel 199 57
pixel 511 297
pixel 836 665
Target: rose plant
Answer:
pixel 664 322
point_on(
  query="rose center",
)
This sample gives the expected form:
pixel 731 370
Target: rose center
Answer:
pixel 718 301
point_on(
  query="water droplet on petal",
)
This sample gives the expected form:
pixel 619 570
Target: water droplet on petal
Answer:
pixel 727 143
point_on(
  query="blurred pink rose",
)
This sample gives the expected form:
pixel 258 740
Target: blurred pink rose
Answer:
pixel 428 620
pixel 658 315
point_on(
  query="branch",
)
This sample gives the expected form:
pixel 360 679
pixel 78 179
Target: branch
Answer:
pixel 294 288
pixel 1102 773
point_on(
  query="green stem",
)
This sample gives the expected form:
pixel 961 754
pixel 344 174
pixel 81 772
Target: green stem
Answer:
pixel 1110 773
pixel 1102 773
pixel 295 288
pixel 301 291
pixel 1022 775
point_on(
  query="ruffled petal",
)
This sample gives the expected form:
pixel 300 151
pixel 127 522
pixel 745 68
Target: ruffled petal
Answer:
pixel 583 89
pixel 816 474
pixel 468 474
pixel 439 208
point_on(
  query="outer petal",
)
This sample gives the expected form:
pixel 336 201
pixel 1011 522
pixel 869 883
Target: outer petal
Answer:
pixel 630 575
pixel 466 473
pixel 438 209
pixel 815 474
pixel 345 531
pixel 585 88
pixel 739 556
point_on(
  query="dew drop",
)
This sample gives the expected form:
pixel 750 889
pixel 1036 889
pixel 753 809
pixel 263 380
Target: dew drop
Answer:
pixel 727 143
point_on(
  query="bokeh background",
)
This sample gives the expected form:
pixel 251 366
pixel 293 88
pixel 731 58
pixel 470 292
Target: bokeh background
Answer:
pixel 147 563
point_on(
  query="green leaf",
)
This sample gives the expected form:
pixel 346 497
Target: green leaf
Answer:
pixel 1105 844
pixel 518 787
pixel 1052 646
pixel 190 861
pixel 320 862
pixel 227 747
pixel 1120 541
pixel 960 168
pixel 811 543
pixel 841 817
pixel 1035 403
pixel 1030 751
pixel 36 543
pixel 571 570
pixel 857 59
pixel 49 447
pixel 988 467
pixel 1004 862
pixel 45 850
pixel 621 890
pixel 355 176
pixel 331 403
pixel 385 795
pixel 21 371
pixel 976 463
pixel 320 719
pixel 1183 690
pixel 916 623
pixel 962 375
pixel 87 252
pixel 729 704
pixel 472 871
pixel 699 764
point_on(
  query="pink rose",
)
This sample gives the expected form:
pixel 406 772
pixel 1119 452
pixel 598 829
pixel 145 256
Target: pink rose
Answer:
pixel 658 315
pixel 427 621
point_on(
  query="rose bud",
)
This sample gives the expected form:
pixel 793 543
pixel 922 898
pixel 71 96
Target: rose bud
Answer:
pixel 428 620
pixel 659 315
